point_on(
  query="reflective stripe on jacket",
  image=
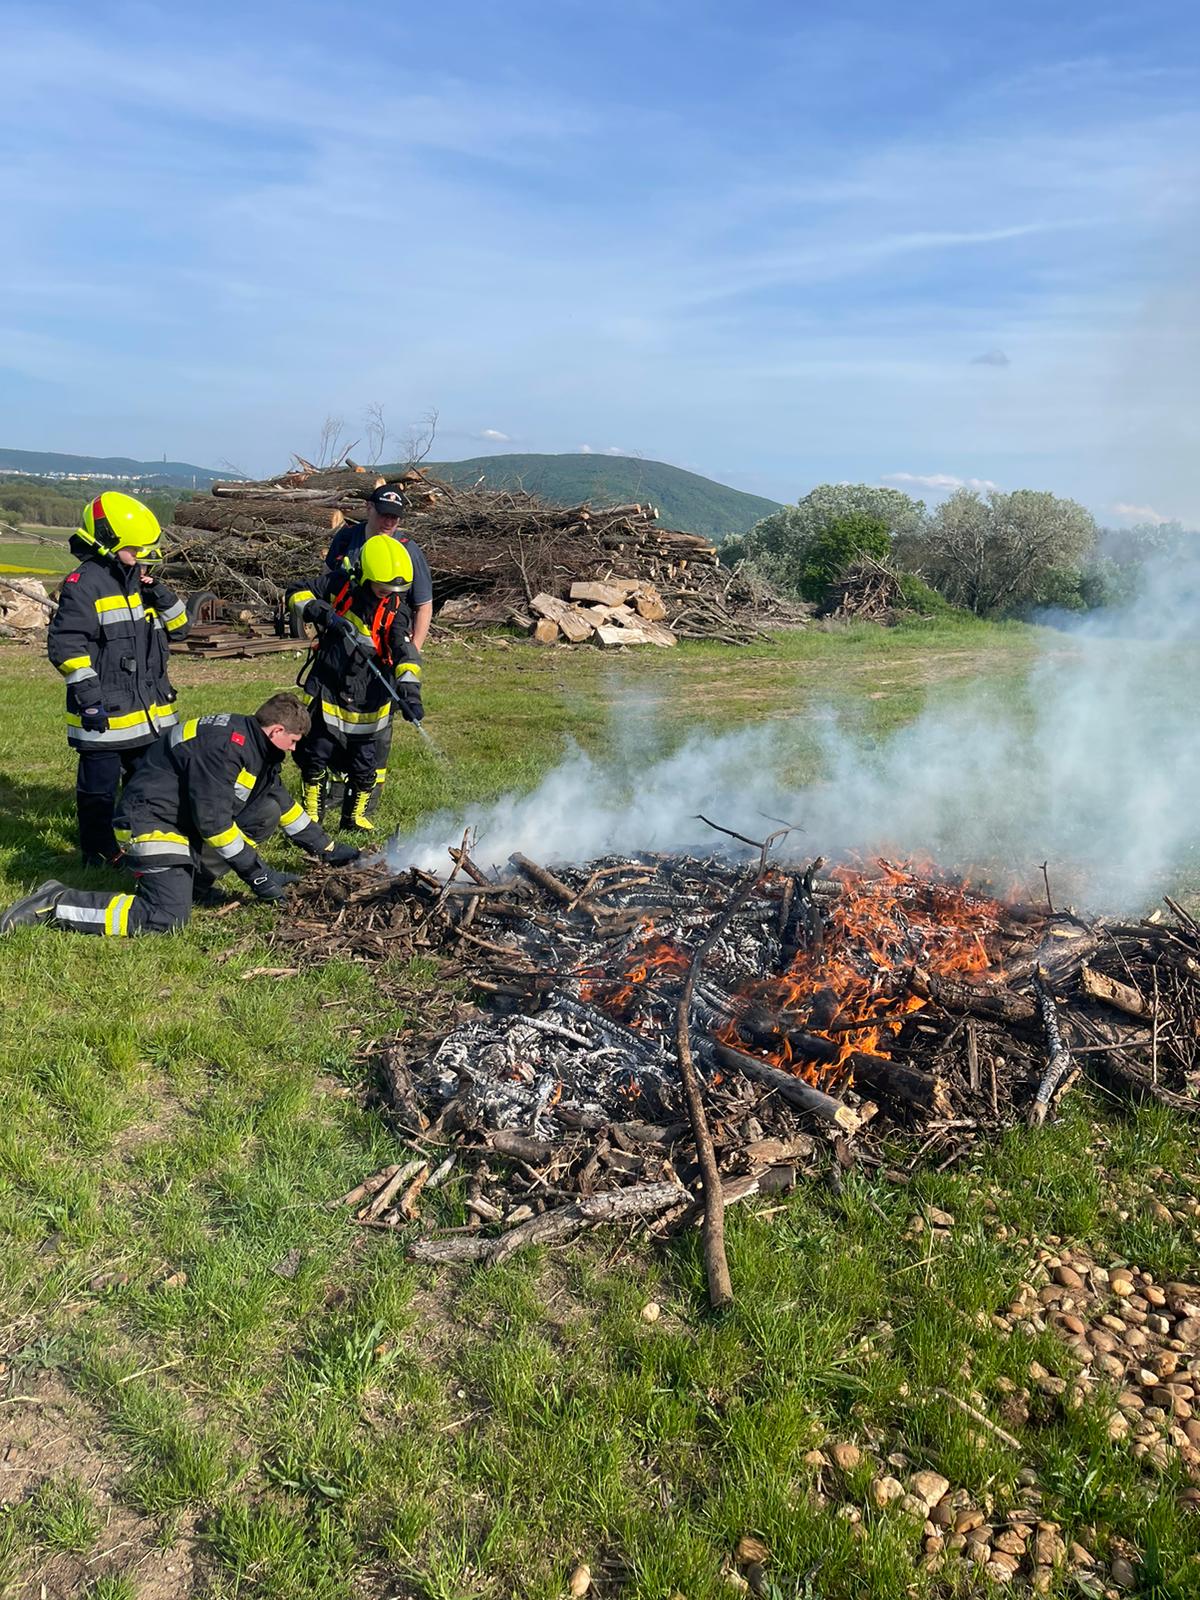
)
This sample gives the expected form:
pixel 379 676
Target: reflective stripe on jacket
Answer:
pixel 108 639
pixel 354 705
pixel 188 791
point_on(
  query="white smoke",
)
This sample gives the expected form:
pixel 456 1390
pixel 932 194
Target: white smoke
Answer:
pixel 1092 764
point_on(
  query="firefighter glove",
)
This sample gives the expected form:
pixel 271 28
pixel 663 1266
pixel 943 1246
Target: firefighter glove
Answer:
pixel 94 719
pixel 270 885
pixel 411 708
pixel 340 855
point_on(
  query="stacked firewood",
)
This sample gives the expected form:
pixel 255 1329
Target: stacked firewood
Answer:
pixel 809 1011
pixel 867 591
pixel 608 575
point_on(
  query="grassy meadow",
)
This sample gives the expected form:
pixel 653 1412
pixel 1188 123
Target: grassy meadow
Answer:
pixel 212 1384
pixel 42 552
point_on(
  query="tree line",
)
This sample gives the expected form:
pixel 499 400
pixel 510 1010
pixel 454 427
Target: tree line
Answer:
pixel 58 505
pixel 994 554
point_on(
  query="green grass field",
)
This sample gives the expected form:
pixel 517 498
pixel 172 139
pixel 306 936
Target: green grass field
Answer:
pixel 212 1384
pixel 42 556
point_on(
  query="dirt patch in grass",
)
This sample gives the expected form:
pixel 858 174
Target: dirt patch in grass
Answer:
pixel 50 1436
pixel 159 1120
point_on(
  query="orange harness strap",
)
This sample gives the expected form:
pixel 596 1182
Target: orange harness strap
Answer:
pixel 381 622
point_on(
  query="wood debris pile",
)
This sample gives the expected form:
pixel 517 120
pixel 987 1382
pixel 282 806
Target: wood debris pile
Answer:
pixel 809 1011
pixel 605 575
pixel 239 548
pixel 868 591
pixel 25 609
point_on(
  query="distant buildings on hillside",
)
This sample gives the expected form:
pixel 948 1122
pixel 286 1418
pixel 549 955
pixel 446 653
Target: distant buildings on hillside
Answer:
pixel 154 480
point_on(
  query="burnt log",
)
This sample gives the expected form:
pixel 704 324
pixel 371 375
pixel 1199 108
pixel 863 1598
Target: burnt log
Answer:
pixel 880 1074
pixel 997 1005
pixel 825 1106
pixel 533 1151
pixel 1122 1073
pixel 1060 1057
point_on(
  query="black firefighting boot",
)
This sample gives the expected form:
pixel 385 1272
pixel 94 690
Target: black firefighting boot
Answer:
pixel 207 892
pixel 355 814
pixel 335 802
pixel 376 793
pixel 35 908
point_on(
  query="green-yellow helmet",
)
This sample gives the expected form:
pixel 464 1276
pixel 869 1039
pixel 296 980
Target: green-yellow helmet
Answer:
pixel 115 521
pixel 385 560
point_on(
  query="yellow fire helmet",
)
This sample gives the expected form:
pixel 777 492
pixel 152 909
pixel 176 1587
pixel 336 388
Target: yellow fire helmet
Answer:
pixel 385 560
pixel 115 521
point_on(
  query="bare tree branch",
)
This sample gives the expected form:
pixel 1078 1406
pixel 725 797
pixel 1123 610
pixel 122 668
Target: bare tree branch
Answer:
pixel 376 434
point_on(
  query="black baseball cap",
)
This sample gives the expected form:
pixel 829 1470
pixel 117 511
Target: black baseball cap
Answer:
pixel 387 500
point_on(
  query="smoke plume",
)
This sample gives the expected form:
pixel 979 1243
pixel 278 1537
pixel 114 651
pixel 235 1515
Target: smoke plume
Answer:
pixel 1091 763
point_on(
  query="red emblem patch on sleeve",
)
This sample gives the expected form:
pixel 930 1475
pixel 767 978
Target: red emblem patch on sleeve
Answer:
pixel 237 738
pixel 72 577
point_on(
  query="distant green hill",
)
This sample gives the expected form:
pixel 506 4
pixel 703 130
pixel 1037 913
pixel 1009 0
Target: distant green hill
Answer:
pixel 684 499
pixel 178 474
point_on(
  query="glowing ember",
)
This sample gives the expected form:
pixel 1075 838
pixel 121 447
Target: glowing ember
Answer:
pixel 847 986
pixel 620 993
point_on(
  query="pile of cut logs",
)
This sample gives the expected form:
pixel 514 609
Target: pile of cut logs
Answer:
pixel 664 1034
pixel 606 574
pixel 616 612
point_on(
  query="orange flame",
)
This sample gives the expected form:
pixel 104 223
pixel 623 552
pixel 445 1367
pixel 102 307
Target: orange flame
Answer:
pixel 849 988
pixel 617 994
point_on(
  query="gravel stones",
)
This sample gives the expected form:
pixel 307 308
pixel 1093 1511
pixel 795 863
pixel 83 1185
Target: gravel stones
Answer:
pixel 928 1487
pixel 884 1490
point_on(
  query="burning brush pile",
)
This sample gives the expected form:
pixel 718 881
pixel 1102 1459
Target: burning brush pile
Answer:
pixel 656 1033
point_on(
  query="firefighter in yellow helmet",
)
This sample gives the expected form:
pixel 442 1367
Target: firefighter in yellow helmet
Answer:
pixel 365 623
pixel 108 638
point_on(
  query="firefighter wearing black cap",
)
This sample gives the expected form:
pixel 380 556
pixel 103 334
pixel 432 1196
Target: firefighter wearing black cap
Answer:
pixel 366 647
pixel 203 800
pixel 385 508
pixel 108 638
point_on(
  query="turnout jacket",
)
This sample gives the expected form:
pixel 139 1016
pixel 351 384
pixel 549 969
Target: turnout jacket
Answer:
pixel 108 638
pixel 189 788
pixel 354 705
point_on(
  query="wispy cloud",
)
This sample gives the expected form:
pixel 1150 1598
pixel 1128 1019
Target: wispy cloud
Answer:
pixel 762 296
pixel 611 450
pixel 1140 514
pixel 940 482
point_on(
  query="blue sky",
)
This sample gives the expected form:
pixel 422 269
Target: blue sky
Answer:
pixel 918 245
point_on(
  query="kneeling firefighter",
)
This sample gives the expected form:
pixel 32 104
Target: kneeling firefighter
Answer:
pixel 108 638
pixel 364 664
pixel 203 800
